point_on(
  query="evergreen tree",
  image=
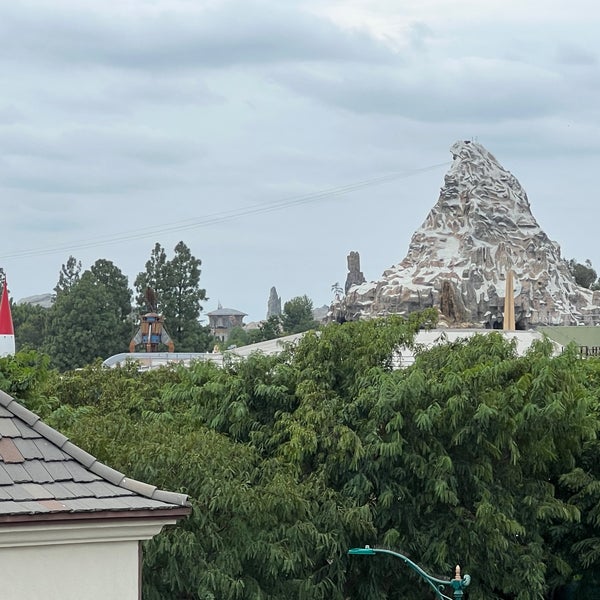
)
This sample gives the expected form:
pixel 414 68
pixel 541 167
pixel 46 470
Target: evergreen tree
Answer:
pixel 30 324
pixel 154 277
pixel 89 321
pixel 176 283
pixel 68 276
pixel 116 285
pixel 585 275
pixel 297 315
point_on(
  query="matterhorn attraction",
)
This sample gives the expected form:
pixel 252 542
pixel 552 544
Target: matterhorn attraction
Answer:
pixel 480 229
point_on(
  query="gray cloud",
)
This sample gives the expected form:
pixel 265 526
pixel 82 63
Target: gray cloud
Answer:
pixel 225 34
pixel 468 90
pixel 92 160
pixel 575 55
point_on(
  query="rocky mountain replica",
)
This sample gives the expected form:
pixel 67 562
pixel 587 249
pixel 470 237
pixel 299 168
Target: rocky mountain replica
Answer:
pixel 480 229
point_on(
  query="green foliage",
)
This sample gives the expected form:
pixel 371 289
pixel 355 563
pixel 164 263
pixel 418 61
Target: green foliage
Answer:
pixel 30 324
pixel 473 455
pixel 68 275
pixel 27 375
pixel 268 330
pixel 585 275
pixel 86 322
pixel 116 286
pixel 297 315
pixel 238 337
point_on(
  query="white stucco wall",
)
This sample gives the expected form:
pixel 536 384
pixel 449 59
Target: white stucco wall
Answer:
pixel 73 562
pixel 90 571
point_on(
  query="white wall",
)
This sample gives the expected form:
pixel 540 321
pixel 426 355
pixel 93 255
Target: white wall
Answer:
pixel 90 571
pixel 77 561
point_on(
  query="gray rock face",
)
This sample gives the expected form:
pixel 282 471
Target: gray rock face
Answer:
pixel 480 227
pixel 43 300
pixel 273 304
pixel 355 275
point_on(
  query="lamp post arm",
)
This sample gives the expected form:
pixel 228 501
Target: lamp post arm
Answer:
pixel 436 584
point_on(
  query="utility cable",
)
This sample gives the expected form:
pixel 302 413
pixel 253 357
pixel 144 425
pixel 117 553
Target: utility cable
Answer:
pixel 220 217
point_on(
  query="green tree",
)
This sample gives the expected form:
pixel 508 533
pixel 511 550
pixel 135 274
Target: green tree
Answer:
pixel 473 455
pixel 177 286
pixel 154 277
pixel 238 337
pixel 584 274
pixel 68 275
pixel 86 323
pixel 116 285
pixel 30 324
pixel 268 330
pixel 297 315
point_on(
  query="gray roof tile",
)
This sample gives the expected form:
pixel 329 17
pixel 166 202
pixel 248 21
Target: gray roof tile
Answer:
pixel 25 430
pixel 79 472
pixel 38 472
pixel 5 478
pixel 58 471
pixel 49 451
pixel 33 507
pixel 103 489
pixel 37 491
pixel 76 490
pixel 17 473
pixel 10 507
pixel 41 471
pixel 8 428
pixel 4 412
pixel 28 448
pixel 60 491
pixel 18 491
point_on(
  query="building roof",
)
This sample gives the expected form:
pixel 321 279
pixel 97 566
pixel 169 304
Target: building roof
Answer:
pixel 581 336
pixel 227 312
pixel 43 476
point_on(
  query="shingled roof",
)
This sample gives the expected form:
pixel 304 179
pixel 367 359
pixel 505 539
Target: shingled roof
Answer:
pixel 43 476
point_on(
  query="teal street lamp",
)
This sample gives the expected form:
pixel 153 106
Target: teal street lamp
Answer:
pixel 438 585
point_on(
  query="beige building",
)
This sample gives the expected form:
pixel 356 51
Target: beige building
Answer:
pixel 70 526
pixel 223 320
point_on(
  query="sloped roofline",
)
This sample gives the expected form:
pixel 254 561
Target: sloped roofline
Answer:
pixel 172 500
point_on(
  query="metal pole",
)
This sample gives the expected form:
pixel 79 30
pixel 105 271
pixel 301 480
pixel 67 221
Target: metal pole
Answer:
pixel 438 585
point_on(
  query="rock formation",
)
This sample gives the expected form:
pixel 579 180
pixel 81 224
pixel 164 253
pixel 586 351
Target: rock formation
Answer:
pixel 480 228
pixel 355 275
pixel 273 304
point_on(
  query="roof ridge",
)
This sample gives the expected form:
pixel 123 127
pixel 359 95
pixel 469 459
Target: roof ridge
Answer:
pixel 91 463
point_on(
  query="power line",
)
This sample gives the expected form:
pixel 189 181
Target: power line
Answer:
pixel 220 217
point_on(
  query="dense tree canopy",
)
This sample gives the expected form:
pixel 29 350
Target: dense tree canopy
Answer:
pixel 30 324
pixel 473 455
pixel 585 275
pixel 297 315
pixel 68 275
pixel 89 320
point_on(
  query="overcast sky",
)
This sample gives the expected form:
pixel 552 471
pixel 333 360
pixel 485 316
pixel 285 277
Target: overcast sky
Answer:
pixel 225 124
